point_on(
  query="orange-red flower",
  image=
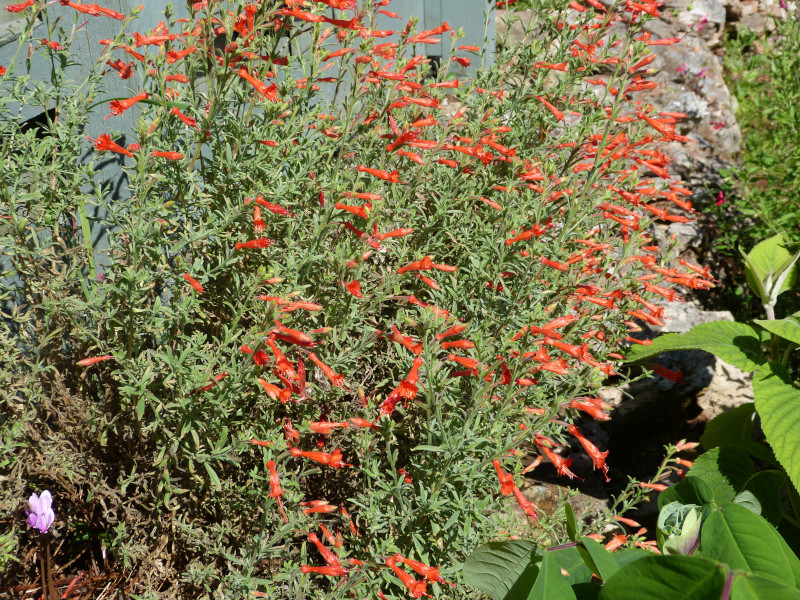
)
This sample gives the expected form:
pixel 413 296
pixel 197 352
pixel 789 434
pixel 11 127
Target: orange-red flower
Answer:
pixel 120 106
pixel 416 588
pixel 599 458
pixel 331 459
pixel 194 283
pixel 105 143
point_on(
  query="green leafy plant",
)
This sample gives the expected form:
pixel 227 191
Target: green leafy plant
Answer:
pixel 760 192
pixel 339 285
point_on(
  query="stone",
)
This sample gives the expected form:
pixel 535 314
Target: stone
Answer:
pixel 690 80
pixel 707 384
pixel 511 26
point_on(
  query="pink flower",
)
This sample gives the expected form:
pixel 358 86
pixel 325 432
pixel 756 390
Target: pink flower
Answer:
pixel 721 199
pixel 40 512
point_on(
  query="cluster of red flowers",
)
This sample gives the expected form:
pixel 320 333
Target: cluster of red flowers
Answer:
pixel 410 124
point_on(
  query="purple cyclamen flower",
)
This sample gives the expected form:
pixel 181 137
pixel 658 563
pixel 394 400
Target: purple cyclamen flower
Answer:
pixel 40 512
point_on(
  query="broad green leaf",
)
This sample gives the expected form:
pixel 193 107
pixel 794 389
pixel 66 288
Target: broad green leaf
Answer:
pixel 725 469
pixel 666 578
pixel 753 587
pixel 607 563
pixel 737 344
pixel 746 542
pixel 787 328
pixel 766 486
pixel 602 561
pixel 778 404
pixel 691 490
pixel 571 561
pixel 729 427
pixel 551 583
pixel 767 263
pixel 497 567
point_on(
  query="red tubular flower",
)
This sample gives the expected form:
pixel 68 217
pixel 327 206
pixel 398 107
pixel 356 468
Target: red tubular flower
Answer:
pixel 327 555
pixel 295 336
pixel 556 113
pixel 168 155
pixel 406 390
pixel 257 243
pixel 332 459
pixel 359 211
pixel 124 69
pixel 88 362
pixel 327 427
pixel 330 570
pixel 659 487
pixel 274 392
pixel 416 588
pixel 560 463
pixel 15 8
pixel 187 120
pixel 194 283
pixel 456 329
pixel 429 573
pixel 275 490
pixel 336 379
pixel 676 376
pixel 269 92
pixel 391 177
pixel 354 287
pixel 175 55
pixel 152 40
pixel 120 106
pixel 402 232
pixel 526 505
pixel 507 484
pixel 406 341
pixel 104 142
pixel 599 458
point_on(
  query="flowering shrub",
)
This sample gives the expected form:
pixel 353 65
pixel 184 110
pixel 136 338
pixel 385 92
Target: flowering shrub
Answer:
pixel 345 293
